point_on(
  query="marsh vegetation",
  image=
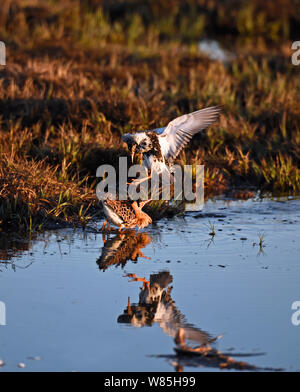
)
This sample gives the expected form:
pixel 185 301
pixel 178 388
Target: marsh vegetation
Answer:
pixel 80 74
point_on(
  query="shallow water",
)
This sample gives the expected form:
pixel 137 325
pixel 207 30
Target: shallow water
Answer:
pixel 66 296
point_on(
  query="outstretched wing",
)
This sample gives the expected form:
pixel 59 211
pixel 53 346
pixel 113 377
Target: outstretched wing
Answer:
pixel 180 130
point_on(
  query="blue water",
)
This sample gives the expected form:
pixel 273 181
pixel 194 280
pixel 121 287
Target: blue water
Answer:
pixel 66 296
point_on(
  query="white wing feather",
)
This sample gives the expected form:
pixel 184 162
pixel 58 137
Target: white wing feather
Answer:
pixel 180 130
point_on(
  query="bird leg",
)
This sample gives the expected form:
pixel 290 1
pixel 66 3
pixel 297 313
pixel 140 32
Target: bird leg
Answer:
pixel 146 283
pixel 107 225
pixel 120 229
pixel 137 279
pixel 103 226
pixel 141 254
pixel 138 253
pixel 104 231
pixel 129 309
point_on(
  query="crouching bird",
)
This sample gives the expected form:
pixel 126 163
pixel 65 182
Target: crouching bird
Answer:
pixel 124 213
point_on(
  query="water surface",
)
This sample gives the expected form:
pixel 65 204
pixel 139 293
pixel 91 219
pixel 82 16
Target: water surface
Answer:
pixel 66 293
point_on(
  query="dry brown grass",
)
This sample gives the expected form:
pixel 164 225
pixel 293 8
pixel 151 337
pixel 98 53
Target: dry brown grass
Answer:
pixel 78 77
pixel 32 195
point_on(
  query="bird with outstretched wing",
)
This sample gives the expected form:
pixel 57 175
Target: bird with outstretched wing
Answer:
pixel 159 147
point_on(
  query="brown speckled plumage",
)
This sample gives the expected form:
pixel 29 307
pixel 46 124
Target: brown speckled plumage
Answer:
pixel 122 213
pixel 119 249
pixel 123 209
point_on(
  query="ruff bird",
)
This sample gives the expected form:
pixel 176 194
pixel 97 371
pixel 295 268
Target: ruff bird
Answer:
pixel 125 213
pixel 159 147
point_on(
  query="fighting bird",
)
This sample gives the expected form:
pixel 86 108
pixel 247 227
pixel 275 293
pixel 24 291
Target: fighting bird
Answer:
pixel 159 147
pixel 125 213
pixel 119 249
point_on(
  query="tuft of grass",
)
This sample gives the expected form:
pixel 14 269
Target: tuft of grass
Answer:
pixel 261 240
pixel 31 196
pixel 211 227
pixel 261 243
pixel 159 209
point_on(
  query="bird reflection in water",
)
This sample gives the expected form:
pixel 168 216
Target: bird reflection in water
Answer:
pixel 157 306
pixel 122 248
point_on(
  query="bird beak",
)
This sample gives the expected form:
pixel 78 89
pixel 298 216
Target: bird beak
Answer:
pixel 129 307
pixel 133 152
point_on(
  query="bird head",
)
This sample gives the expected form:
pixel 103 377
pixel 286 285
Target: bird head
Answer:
pixel 137 143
